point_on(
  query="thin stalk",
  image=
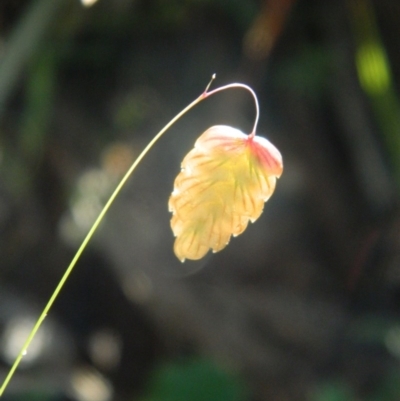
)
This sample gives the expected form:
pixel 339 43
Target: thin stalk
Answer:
pixel 105 209
pixel 237 85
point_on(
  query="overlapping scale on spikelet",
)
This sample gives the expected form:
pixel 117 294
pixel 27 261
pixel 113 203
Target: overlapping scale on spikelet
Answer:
pixel 223 184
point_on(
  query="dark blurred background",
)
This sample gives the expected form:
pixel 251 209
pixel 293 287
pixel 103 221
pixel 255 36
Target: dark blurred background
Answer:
pixel 304 305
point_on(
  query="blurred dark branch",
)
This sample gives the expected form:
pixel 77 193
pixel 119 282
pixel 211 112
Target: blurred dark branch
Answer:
pixel 23 42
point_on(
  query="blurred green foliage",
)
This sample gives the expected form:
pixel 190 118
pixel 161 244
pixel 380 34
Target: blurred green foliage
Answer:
pixel 375 77
pixel 332 391
pixel 194 380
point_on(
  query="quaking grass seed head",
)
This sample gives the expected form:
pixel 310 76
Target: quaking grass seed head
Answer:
pixel 223 184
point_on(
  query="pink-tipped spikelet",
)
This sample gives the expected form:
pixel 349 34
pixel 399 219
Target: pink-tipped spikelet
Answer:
pixel 223 184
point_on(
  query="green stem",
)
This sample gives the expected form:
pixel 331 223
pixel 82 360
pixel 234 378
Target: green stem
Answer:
pixel 87 239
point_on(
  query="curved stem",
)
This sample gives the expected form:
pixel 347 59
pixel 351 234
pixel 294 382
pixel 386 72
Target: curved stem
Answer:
pixel 86 241
pixel 237 85
pixel 105 209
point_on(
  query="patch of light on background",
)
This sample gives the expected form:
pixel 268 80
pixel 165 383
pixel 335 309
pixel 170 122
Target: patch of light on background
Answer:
pixel 94 182
pixel 137 287
pixel 117 158
pixel 88 3
pixel 16 333
pixel 105 347
pixel 93 188
pixel 88 384
pixel 85 212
